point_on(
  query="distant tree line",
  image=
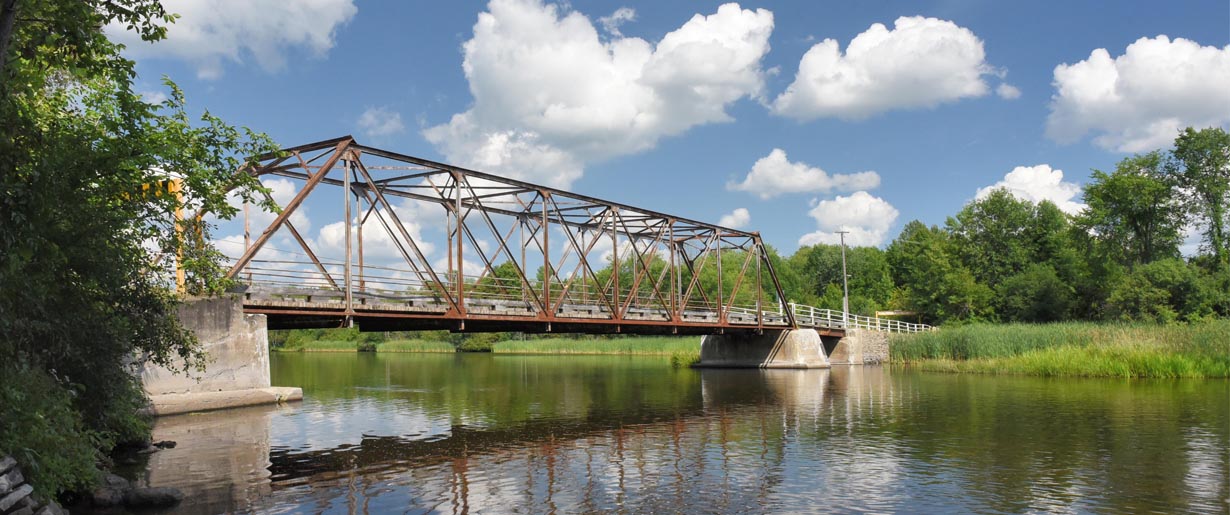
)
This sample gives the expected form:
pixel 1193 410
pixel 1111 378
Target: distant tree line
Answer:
pixel 1005 259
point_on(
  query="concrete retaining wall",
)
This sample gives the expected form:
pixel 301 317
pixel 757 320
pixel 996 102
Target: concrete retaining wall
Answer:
pixel 236 346
pixel 237 363
pixel 797 348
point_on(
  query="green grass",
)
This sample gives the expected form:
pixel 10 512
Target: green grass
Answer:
pixel 323 346
pixel 1072 349
pixel 415 346
pixel 648 345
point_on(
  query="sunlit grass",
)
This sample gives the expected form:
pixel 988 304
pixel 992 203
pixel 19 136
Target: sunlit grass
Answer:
pixel 322 346
pixel 1073 349
pixel 415 346
pixel 648 345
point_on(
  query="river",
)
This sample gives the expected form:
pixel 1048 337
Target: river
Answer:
pixel 482 433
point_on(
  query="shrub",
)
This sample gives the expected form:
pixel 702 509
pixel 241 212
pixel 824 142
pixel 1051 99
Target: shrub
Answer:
pixel 43 432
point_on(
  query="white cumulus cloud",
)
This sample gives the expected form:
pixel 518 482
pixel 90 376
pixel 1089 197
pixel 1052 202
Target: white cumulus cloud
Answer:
pixel 1139 101
pixel 865 217
pixel 550 95
pixel 1038 183
pixel 611 23
pixel 1008 92
pixel 211 32
pixel 774 175
pixel 737 219
pixel 380 121
pixel 920 63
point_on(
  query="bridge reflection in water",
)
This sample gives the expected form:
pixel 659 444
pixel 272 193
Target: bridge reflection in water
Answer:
pixel 543 435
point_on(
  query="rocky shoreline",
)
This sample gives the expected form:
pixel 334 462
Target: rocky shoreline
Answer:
pixel 17 497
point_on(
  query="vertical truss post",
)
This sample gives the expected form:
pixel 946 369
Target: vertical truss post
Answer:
pixel 676 314
pixel 461 279
pixel 721 289
pixel 521 235
pixel 362 283
pixel 346 165
pixel 759 289
pixel 247 234
pixel 615 262
pixel 546 258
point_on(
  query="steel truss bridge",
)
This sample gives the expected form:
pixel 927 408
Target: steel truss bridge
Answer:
pixel 434 246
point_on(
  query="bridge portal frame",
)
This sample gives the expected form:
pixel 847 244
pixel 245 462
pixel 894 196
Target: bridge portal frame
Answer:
pixel 665 255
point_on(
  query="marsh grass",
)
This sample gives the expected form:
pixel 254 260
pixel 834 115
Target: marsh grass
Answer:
pixel 1073 349
pixel 322 346
pixel 366 346
pixel 415 346
pixel 648 345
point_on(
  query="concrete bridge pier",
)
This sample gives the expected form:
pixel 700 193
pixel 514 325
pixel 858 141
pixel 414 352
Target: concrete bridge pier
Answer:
pixel 775 348
pixel 857 347
pixel 237 363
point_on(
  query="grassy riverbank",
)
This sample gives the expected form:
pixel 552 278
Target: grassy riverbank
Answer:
pixel 683 349
pixel 1072 349
pixel 364 346
pixel 647 345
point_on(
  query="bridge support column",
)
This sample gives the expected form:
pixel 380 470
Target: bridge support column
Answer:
pixel 777 348
pixel 237 363
pixel 858 347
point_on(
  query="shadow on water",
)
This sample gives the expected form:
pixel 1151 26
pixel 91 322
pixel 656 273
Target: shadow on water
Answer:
pixel 546 434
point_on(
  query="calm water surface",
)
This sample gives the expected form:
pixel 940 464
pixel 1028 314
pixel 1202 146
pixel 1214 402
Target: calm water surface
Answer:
pixel 467 433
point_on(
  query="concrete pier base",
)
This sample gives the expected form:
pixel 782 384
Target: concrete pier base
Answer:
pixel 237 363
pixel 778 348
pixel 858 347
pixel 176 403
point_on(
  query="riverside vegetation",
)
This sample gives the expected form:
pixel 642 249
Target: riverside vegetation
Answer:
pixel 80 296
pixel 682 351
pixel 1074 349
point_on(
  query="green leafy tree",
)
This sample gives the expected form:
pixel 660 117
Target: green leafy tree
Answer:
pixel 991 236
pixel 1162 291
pixel 77 149
pixel 1035 295
pixel 933 280
pixel 1201 169
pixel 1134 214
pixel 870 278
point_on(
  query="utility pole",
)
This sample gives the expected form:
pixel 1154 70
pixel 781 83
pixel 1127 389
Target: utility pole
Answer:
pixel 845 287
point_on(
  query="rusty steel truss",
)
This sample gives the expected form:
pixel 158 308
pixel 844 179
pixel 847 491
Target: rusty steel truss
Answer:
pixel 508 255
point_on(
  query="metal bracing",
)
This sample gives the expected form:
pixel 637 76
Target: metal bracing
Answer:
pixel 431 245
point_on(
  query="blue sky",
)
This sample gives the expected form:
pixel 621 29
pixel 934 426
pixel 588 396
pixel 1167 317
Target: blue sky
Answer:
pixel 648 104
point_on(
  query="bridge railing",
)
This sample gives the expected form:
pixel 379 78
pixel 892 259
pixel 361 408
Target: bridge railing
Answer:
pixel 319 283
pixel 811 316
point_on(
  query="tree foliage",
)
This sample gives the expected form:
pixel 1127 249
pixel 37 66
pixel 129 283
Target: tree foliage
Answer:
pixel 85 289
pixel 1001 258
pixel 1201 168
pixel 1134 213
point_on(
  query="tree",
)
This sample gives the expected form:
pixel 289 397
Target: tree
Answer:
pixel 1035 295
pixel 1162 291
pixel 1201 168
pixel 870 278
pixel 991 236
pixel 934 281
pixel 77 146
pixel 1134 214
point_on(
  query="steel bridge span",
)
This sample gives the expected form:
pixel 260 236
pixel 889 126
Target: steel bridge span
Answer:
pixel 416 245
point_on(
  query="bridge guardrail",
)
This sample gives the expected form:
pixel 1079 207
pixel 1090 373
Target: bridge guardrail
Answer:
pixel 821 317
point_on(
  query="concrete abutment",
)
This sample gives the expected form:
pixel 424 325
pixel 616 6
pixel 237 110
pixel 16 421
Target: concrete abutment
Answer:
pixel 776 348
pixel 793 348
pixel 236 373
